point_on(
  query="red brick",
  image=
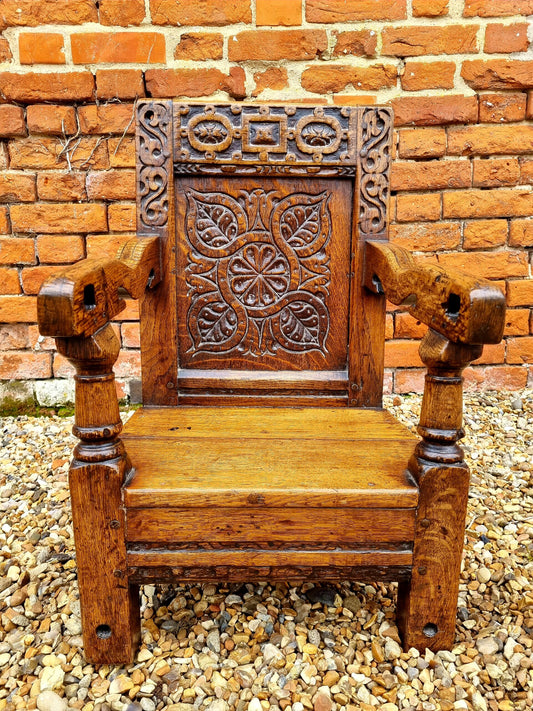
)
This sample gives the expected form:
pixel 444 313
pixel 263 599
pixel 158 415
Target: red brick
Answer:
pixel 128 364
pixel 503 202
pixel 431 110
pixel 59 218
pixel 61 367
pixel 430 175
pixel 273 44
pixel 489 265
pixel 492 354
pixel 33 87
pixel 37 341
pixel 483 234
pixel 409 381
pixel 520 350
pixel 419 40
pixel 487 140
pixel 106 246
pixel 402 354
pixel 9 281
pixel 405 326
pixel 25 365
pixel 200 46
pixel 18 309
pixel 89 153
pixel 4 221
pixel 122 217
pixel 119 83
pixel 122 152
pixel 361 43
pixel 111 47
pixel 521 233
pixel 278 12
pixel 520 293
pixel 327 79
pixel 349 100
pixel 275 78
pixel 496 172
pixel 504 39
pixel 418 206
pixel 516 322
pixel 201 12
pixel 355 10
pixel 130 313
pixel 29 13
pixel 111 185
pixel 11 121
pixel 430 8
pixel 37 153
pixel 33 278
pixel 60 249
pixel 55 120
pixel 17 250
pixel 118 12
pixel 529 107
pixel 61 187
pixel 500 8
pixel 5 51
pixel 17 187
pixel 131 336
pixel 195 82
pixel 495 377
pixel 107 118
pixel 422 143
pixel 418 76
pixel 526 171
pixel 389 327
pixel 13 337
pixel 497 108
pixel 423 237
pixel 41 48
pixel 498 73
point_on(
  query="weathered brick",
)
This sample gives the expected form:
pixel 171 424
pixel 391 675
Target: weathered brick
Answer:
pixel 418 206
pixel 122 152
pixel 497 108
pixel 195 82
pixel 418 76
pixel 16 365
pixel 487 140
pixel 41 48
pixel 402 354
pixel 119 83
pixel 55 120
pixel 498 73
pixel 128 364
pixel 29 13
pixel 499 202
pixel 526 171
pixel 520 350
pixel 111 47
pixel 422 143
pixel 520 293
pixel 327 79
pixel 11 121
pixel 489 265
pixel 430 8
pixel 111 185
pixel 201 12
pixel 17 187
pixel 5 50
pixel 33 278
pixel 18 309
pixel 516 322
pixel 9 283
pixel 118 12
pixel 501 8
pixel 17 250
pixel 361 43
pixel 276 44
pixel 405 326
pixel 521 233
pixel 275 78
pixel 278 12
pixel 529 107
pixel 4 221
pixel 131 336
pixel 349 100
pixel 61 367
pixel 60 249
pixel 389 327
pixel 500 38
pixel 424 237
pixel 409 381
pixel 13 337
pixel 106 246
pixel 32 87
pixel 36 153
pixel 61 187
pixel 418 40
pixel 200 46
pixel 430 175
pixel 496 377
pixel 122 217
pixel 355 10
pixel 59 218
pixel 434 110
pixel 483 234
pixel 492 354
pixel 107 118
pixel 496 172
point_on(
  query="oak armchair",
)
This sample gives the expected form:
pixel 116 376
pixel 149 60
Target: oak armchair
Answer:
pixel 262 450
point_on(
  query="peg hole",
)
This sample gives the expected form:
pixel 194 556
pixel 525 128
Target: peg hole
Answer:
pixel 151 278
pixel 430 630
pixel 453 306
pixel 103 632
pixel 376 283
pixel 89 297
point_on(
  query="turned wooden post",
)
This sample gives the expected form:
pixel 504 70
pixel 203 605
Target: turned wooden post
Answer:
pixel 427 604
pixel 109 603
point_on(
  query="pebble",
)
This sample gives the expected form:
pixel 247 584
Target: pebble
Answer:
pixel 487 645
pixel 50 701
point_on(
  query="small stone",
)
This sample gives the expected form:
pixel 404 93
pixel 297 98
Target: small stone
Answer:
pixel 147 704
pixel 493 671
pixel 308 673
pixel 352 603
pixel 51 678
pixel 48 700
pixel 120 685
pixel 483 575
pixel 478 702
pixel 4 659
pixel 313 636
pixel 517 404
pixel 377 651
pixel 255 705
pixel 331 678
pixel 271 653
pixel 508 649
pixel 322 701
pixel 487 645
pixel 392 649
pixel 213 640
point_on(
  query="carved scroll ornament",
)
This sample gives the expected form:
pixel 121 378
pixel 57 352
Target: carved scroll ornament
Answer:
pixel 154 145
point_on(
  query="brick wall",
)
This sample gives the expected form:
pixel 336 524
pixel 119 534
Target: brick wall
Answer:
pixel 459 74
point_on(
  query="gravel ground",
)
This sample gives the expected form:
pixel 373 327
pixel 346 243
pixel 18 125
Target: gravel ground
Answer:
pixel 255 647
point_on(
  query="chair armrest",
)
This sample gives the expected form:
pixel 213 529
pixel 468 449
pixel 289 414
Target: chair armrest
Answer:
pixel 460 307
pixel 84 297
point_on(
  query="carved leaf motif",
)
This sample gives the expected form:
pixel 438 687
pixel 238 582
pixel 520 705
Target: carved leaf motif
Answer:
pixel 300 324
pixel 303 221
pixel 217 322
pixel 216 218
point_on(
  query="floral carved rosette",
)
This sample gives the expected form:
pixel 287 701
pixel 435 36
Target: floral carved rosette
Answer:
pixel 258 272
